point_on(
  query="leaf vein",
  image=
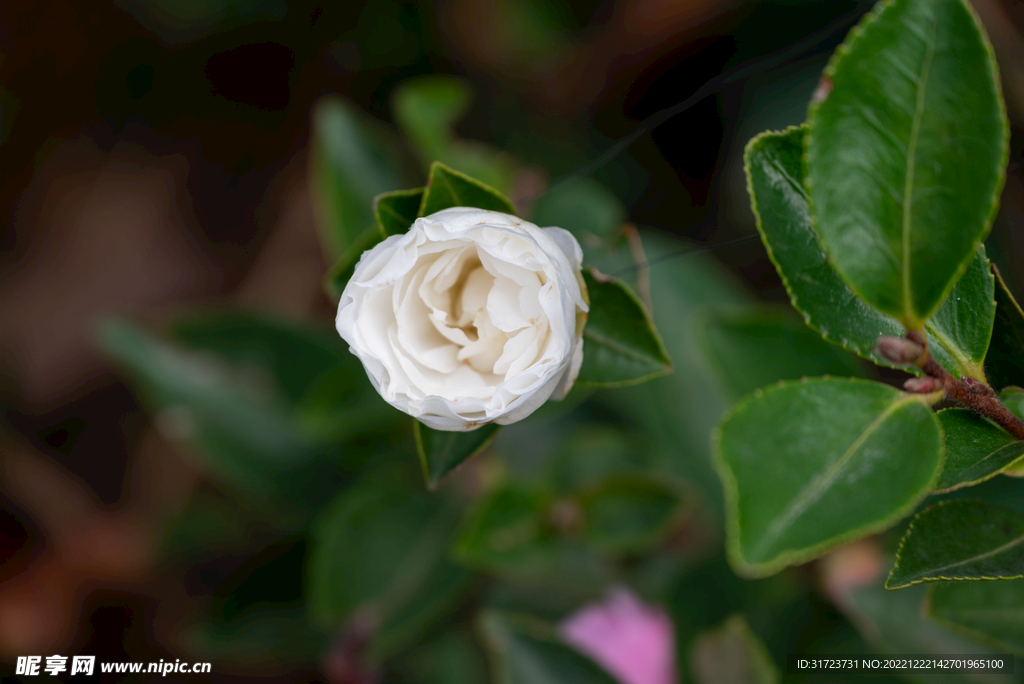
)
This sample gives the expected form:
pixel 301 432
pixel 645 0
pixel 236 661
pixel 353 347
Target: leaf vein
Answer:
pixel 817 486
pixel 908 188
pixel 620 348
pixel 981 556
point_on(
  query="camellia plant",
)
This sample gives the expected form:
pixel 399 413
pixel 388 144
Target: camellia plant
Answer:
pixel 874 213
pixel 495 451
pixel 467 317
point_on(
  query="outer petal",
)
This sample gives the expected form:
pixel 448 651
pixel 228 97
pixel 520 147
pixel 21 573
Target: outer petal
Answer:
pixel 568 378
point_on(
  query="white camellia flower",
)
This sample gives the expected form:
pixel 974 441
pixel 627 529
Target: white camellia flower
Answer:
pixel 469 318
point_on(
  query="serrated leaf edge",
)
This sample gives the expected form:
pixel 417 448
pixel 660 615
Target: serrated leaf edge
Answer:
pixel 665 361
pixel 1008 466
pixel 965 367
pixel 938 578
pixel 744 568
pixel 993 69
pixel 963 630
pixel 826 335
pixel 431 178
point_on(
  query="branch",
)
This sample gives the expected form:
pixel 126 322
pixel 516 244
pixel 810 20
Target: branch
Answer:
pixel 967 392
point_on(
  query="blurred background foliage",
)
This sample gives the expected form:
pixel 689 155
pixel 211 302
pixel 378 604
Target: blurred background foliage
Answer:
pixel 194 466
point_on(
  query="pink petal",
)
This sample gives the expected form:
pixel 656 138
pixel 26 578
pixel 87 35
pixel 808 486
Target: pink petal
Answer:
pixel 634 642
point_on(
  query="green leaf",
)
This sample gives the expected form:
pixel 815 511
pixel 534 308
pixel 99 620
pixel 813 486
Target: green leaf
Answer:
pixel 590 453
pixel 894 622
pixel 976 449
pixel 1005 361
pixel 379 548
pixel 506 530
pixel 535 656
pixel 441 452
pixel 959 331
pixel 426 109
pixel 990 612
pixel 448 188
pixel 511 533
pixel 960 540
pixel 396 211
pixel 350 165
pixel 582 206
pixel 756 347
pixel 906 156
pixel 629 514
pixel 621 346
pixel 811 465
pixel 1013 399
pixel 732 653
pixel 233 387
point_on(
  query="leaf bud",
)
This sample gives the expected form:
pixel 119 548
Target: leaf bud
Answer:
pixel 900 350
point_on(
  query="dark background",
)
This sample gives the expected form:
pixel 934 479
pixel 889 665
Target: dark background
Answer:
pixel 153 157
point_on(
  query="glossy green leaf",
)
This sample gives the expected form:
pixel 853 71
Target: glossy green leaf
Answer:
pixel 989 612
pixel 732 653
pixel 582 206
pixel 620 344
pixel 960 330
pixel 810 465
pixel 350 165
pixel 1005 361
pixel 448 188
pixel 960 540
pixel 976 449
pixel 627 514
pixel 441 451
pixel 958 333
pixel 396 211
pixel 534 656
pixel 756 347
pixel 379 548
pixel 894 622
pixel 906 155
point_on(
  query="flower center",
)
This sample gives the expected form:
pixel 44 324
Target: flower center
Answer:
pixel 486 311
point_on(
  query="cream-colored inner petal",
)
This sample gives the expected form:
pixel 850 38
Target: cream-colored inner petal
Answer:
pixel 460 310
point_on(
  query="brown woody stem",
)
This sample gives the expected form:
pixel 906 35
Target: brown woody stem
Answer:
pixel 968 392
